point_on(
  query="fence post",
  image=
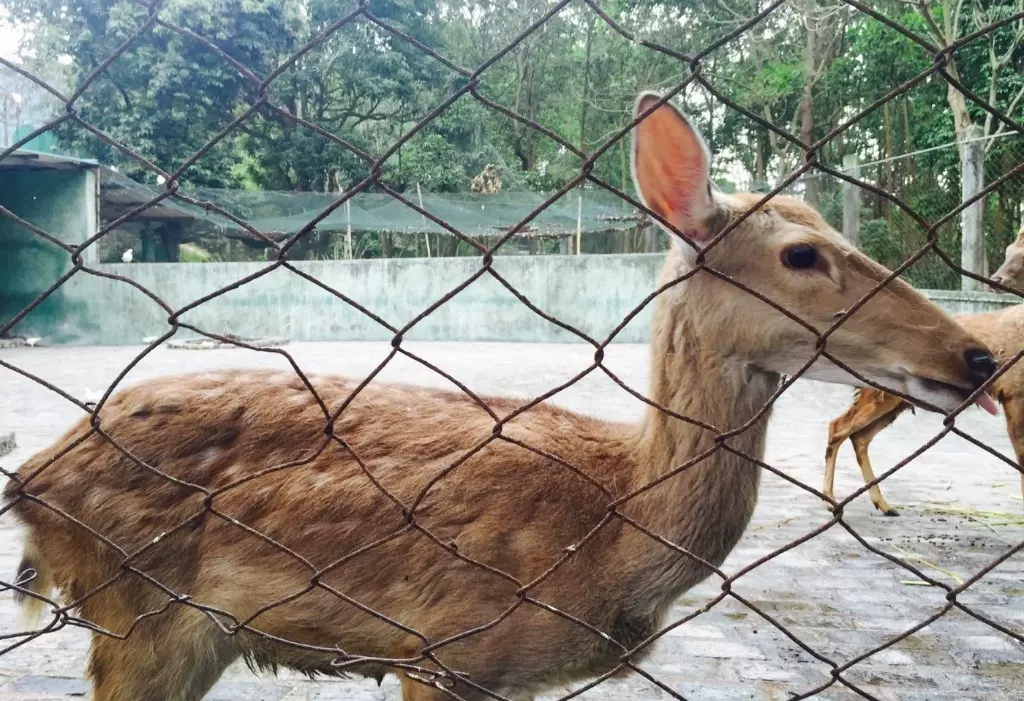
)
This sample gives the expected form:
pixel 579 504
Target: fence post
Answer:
pixel 426 235
pixel 90 256
pixel 851 200
pixel 651 232
pixel 348 230
pixel 972 219
pixel 579 223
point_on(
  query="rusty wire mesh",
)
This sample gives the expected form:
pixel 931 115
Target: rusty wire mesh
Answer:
pixel 427 664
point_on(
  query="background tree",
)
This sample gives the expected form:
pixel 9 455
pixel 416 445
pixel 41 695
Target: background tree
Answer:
pixel 806 68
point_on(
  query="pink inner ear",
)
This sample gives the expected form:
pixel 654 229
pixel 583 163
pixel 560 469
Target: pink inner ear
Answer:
pixel 688 183
pixel 671 170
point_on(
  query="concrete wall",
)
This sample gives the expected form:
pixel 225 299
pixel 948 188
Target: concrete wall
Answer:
pixel 592 293
pixel 957 302
pixel 62 203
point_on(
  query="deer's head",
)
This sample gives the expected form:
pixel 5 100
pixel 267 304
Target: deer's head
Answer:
pixel 1011 272
pixel 786 252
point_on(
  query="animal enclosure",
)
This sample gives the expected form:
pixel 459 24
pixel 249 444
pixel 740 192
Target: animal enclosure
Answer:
pixel 828 603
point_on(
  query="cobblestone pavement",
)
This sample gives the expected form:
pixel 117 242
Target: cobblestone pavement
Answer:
pixel 830 592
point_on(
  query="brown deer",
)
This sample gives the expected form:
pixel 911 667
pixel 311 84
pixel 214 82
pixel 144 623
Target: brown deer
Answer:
pixel 873 410
pixel 1011 272
pixel 455 567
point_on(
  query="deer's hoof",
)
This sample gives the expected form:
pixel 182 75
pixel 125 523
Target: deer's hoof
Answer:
pixel 890 512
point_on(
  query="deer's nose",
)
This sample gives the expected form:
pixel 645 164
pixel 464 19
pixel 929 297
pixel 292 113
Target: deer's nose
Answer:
pixel 1000 280
pixel 980 365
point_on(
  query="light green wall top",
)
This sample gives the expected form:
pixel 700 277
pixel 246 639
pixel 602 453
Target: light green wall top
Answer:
pixel 591 293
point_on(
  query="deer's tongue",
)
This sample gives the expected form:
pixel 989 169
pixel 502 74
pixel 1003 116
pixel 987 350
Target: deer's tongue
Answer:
pixel 986 402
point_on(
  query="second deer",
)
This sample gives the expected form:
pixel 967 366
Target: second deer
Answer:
pixel 1011 272
pixel 873 410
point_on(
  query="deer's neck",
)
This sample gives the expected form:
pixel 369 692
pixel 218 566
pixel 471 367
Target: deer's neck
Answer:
pixel 706 507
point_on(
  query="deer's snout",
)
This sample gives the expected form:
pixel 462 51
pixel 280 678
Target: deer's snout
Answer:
pixel 980 365
pixel 1002 280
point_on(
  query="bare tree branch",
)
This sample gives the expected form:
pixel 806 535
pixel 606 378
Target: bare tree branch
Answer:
pixel 922 6
pixel 1014 104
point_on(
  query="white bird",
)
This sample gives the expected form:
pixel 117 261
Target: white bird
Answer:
pixel 90 398
pixel 127 256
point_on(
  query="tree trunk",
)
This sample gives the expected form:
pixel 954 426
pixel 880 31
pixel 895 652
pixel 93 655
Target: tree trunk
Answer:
pixel 887 183
pixel 586 83
pixel 887 138
pixel 812 187
pixel 624 163
pixel 908 139
pixel 760 167
pixel 812 191
pixel 972 219
pixel 958 105
pixel 523 106
pixel 651 243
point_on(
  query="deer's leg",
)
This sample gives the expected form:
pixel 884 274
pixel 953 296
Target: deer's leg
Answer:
pixel 861 440
pixel 837 433
pixel 173 656
pixel 1014 411
pixel 868 407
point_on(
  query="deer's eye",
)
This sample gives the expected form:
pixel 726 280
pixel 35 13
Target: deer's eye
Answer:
pixel 800 257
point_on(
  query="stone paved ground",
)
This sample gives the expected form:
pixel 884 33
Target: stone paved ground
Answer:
pixel 830 592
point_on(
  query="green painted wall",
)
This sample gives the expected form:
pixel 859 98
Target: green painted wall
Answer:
pixel 61 203
pixel 592 293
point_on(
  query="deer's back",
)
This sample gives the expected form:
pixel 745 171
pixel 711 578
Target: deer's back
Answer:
pixel 244 495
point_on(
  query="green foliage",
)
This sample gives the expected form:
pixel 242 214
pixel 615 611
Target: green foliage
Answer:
pixel 168 95
pixel 433 163
pixel 879 242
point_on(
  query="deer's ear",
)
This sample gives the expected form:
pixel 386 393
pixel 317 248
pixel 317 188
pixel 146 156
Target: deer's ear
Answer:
pixel 671 169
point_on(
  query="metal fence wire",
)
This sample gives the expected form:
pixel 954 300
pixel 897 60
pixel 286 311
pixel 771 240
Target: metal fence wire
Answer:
pixel 425 664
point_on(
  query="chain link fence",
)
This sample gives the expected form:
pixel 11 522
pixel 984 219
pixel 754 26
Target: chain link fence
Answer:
pixel 423 665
